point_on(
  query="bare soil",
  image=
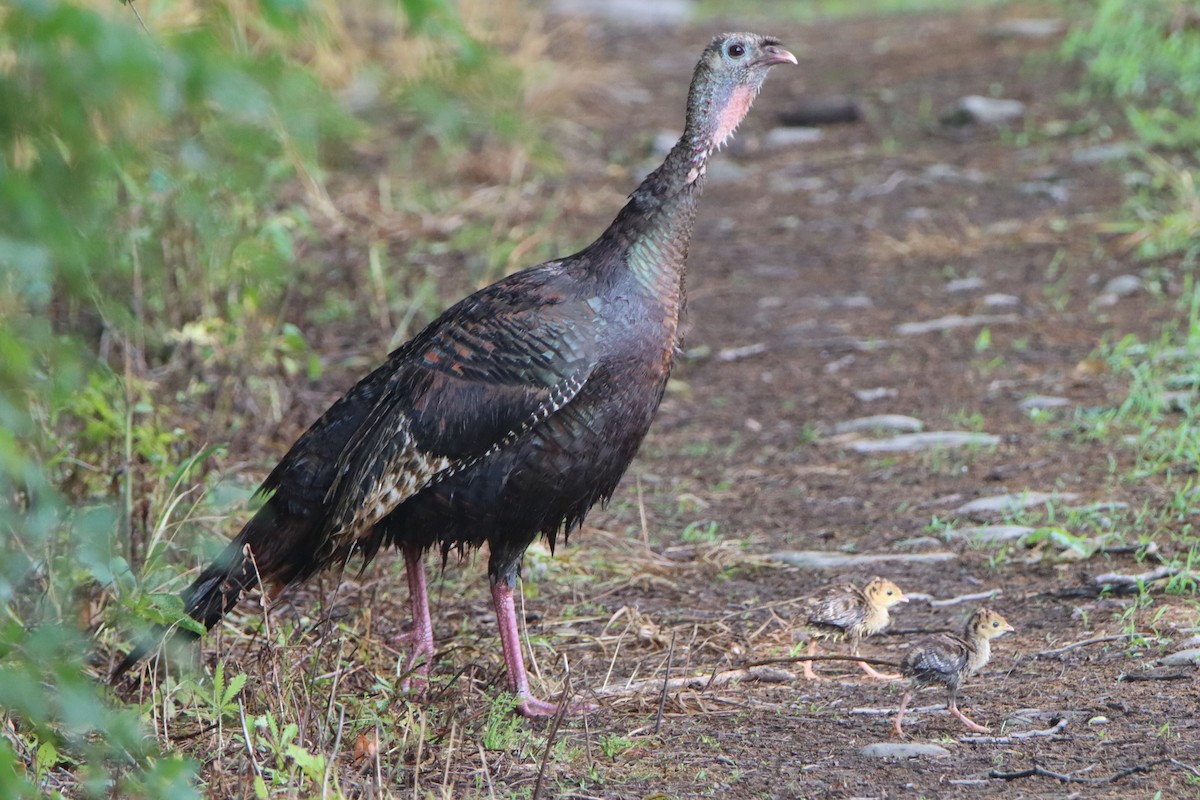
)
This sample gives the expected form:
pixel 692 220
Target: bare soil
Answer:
pixel 810 256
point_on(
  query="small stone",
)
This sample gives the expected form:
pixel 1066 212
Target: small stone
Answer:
pixel 880 422
pixel 1048 189
pixel 1100 720
pixel 840 364
pixel 998 300
pixel 783 138
pixel 991 534
pixel 1042 402
pixel 1182 658
pixel 952 321
pixel 1103 152
pixel 1011 502
pixel 984 111
pixel 1028 27
pixel 948 173
pixel 965 284
pixel 739 353
pixel 821 559
pixel 1123 285
pixel 930 440
pixel 915 542
pixel 902 751
pixel 878 393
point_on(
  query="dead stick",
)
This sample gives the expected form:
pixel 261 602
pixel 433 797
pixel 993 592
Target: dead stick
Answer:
pixel 1065 778
pixel 1095 640
pixel 1133 677
pixel 1118 579
pixel 701 683
pixel 887 712
pixel 1058 728
pixel 558 718
pixel 879 662
pixel 966 598
pixel 662 700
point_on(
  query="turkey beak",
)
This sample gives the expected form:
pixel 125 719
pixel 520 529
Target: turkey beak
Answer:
pixel 773 54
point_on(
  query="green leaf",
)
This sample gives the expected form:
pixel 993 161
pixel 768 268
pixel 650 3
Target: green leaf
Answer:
pixel 47 757
pixel 231 691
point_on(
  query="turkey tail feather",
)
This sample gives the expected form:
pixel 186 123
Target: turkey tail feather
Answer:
pixel 271 548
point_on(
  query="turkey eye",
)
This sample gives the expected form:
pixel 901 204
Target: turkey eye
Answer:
pixel 737 50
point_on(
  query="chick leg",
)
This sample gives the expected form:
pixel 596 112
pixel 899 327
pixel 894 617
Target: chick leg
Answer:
pixel 808 665
pixel 897 728
pixel 953 706
pixel 871 671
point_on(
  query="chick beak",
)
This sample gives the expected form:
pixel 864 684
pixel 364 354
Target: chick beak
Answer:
pixel 1009 629
pixel 901 599
pixel 773 54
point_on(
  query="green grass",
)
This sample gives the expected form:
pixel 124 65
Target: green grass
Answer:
pixel 1146 54
pixel 1153 436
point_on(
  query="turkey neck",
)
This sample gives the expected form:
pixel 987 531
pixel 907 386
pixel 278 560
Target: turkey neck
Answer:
pixel 651 233
pixel 980 650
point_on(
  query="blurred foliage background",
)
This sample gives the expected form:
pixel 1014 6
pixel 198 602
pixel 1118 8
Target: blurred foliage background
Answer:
pixel 165 201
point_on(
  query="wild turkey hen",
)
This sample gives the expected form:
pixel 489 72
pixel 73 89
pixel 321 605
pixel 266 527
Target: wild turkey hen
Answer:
pixel 847 612
pixel 948 660
pixel 511 414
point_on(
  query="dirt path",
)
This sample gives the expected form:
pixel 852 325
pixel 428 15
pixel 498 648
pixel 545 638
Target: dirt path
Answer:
pixel 809 261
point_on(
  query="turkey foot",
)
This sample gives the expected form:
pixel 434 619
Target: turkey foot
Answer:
pixel 510 641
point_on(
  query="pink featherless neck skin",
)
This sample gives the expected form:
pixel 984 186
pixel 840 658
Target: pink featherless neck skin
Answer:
pixel 733 113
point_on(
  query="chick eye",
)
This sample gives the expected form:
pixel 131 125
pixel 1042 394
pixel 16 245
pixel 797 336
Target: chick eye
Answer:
pixel 995 624
pixel 889 594
pixel 737 50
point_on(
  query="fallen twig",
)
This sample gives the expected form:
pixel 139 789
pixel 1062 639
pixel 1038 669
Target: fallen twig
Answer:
pixel 662 700
pixel 1120 579
pixel 761 674
pixel 1147 550
pixel 550 737
pixel 879 662
pixel 1134 677
pixel 1058 728
pixel 1084 643
pixel 883 712
pixel 1066 778
pixel 965 598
